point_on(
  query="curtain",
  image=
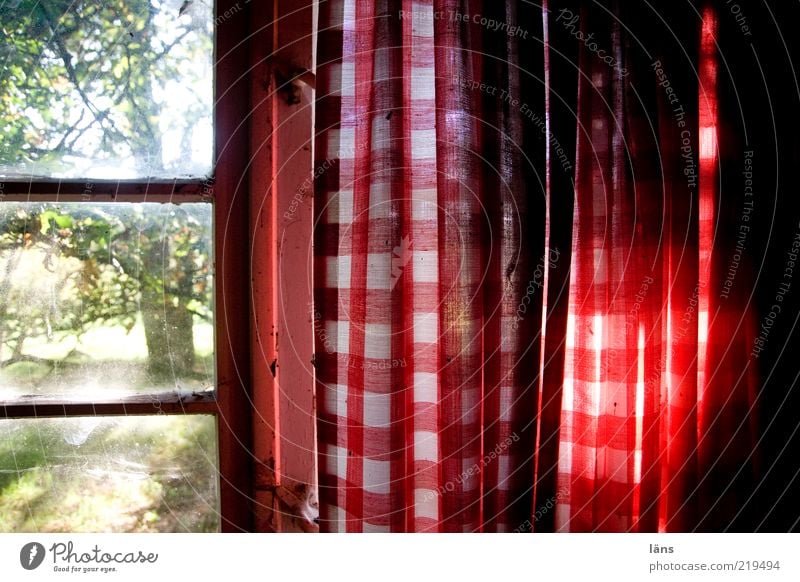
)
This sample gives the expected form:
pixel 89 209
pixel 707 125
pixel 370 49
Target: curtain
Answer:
pixel 520 317
pixel 658 397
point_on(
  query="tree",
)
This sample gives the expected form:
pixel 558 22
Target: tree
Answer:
pixel 85 81
pixel 92 84
pixel 106 264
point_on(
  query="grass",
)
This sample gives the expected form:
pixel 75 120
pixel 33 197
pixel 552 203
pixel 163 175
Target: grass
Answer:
pixel 115 367
pixel 123 474
pixel 106 474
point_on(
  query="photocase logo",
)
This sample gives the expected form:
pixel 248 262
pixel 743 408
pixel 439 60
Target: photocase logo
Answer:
pixel 401 255
pixel 32 555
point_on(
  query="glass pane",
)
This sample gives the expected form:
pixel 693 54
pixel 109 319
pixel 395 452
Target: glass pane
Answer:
pixel 100 301
pixel 106 88
pixel 109 474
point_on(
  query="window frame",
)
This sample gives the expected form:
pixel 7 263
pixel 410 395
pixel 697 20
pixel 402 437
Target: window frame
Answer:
pixel 227 191
pixel 282 43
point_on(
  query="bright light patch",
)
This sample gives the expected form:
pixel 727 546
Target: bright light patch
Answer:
pixel 637 469
pixel 702 326
pixel 597 329
pixel 708 143
pixel 571 331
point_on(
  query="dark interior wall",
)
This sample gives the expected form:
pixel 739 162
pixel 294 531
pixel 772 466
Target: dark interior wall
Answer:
pixel 760 98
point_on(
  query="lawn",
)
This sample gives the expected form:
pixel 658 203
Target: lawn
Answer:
pixel 109 474
pixel 106 474
pixel 62 367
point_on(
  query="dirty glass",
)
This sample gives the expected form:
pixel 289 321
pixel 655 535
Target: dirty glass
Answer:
pixel 106 88
pixel 103 301
pixel 109 474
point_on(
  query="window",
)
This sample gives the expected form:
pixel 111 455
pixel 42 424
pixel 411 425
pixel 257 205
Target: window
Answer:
pixel 123 341
pixel 107 89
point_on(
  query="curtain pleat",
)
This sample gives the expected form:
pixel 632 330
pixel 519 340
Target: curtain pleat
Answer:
pixel 517 315
pixel 424 258
pixel 658 401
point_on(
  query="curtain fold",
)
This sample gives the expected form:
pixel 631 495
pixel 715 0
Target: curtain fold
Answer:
pixel 517 314
pixel 424 257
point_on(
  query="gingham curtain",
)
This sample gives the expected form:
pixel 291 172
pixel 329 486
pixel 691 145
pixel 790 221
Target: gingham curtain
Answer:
pixel 436 321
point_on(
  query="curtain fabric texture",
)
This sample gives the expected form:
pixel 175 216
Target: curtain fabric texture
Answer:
pixel 520 313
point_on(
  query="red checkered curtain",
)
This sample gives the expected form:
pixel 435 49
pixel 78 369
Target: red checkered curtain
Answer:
pixel 474 373
pixel 423 259
pixel 657 401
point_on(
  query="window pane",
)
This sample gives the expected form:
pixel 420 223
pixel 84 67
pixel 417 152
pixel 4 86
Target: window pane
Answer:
pixel 109 474
pixel 106 88
pixel 101 301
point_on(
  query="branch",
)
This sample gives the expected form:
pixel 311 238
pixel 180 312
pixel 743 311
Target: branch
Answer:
pixel 62 143
pixel 99 116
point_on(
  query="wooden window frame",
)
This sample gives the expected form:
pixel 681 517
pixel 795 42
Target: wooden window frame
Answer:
pixel 230 403
pixel 264 401
pixel 282 42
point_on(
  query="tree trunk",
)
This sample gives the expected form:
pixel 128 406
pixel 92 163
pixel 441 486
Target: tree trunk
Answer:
pixel 168 324
pixel 169 333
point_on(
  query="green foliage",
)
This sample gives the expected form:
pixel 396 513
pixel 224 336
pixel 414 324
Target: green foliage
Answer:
pixel 142 474
pixel 87 80
pixel 115 254
pixel 87 83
